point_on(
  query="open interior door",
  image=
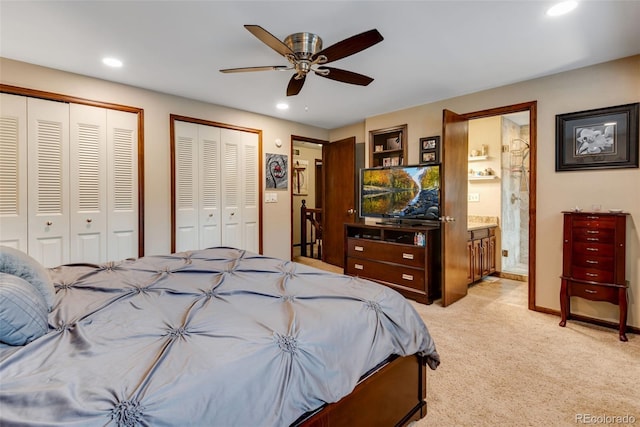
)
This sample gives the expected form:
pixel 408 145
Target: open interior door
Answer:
pixel 455 130
pixel 338 164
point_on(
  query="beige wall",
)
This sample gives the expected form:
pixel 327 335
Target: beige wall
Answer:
pixel 607 84
pixel 486 131
pixel 157 108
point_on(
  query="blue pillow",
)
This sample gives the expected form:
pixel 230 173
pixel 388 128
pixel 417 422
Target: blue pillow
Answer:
pixel 23 311
pixel 18 263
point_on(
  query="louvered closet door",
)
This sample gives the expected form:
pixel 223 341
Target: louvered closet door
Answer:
pixel 48 183
pixel 122 185
pixel 186 185
pixel 209 187
pixel 240 189
pixel 231 188
pixel 88 183
pixel 250 192
pixel 13 171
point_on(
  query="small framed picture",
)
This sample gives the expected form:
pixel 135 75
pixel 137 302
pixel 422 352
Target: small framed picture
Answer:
pixel 430 149
pixel 428 157
pixel 378 148
pixel 386 161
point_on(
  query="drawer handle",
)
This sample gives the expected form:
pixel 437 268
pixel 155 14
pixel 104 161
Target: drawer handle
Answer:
pixel 593 232
pixel 358 248
pixel 590 261
pixel 593 239
pixel 592 249
pixel 359 267
pixel 407 256
pixel 593 217
pixel 589 291
pixel 407 277
pixel 592 275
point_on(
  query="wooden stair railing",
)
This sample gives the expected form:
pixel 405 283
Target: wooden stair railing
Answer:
pixel 314 216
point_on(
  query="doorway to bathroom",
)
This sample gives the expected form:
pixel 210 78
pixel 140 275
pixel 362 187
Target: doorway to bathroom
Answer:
pixel 499 186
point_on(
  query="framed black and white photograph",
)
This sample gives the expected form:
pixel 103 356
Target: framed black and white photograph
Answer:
pixel 603 138
pixel 430 149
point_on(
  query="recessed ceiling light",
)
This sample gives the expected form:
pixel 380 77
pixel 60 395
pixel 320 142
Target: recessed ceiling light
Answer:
pixel 112 62
pixel 282 106
pixel 562 8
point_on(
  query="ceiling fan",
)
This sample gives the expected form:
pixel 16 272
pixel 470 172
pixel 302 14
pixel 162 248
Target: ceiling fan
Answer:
pixel 304 52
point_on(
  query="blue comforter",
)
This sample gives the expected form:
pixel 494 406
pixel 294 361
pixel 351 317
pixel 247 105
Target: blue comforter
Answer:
pixel 217 337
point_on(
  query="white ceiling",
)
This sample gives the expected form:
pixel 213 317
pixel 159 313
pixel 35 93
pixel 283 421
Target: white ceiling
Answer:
pixel 432 50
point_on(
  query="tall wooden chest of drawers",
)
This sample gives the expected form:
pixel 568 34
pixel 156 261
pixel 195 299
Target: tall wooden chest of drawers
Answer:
pixel 389 254
pixel 593 261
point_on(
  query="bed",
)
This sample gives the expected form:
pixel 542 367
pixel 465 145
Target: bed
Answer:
pixel 214 337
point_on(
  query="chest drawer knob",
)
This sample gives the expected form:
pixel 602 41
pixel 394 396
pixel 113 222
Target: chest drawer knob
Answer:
pixel 407 277
pixel 358 267
pixel 592 275
pixel 407 256
pixel 593 239
pixel 590 261
pixel 593 232
pixel 590 291
pixel 592 249
pixel 358 248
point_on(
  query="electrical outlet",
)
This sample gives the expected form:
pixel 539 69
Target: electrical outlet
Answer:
pixel 473 197
pixel 505 253
pixel 505 148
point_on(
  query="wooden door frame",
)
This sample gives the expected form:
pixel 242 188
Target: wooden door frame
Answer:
pixel 302 139
pixel 175 117
pixel 532 108
pixel 34 93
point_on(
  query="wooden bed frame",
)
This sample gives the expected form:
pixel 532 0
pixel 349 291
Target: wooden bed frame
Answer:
pixel 392 395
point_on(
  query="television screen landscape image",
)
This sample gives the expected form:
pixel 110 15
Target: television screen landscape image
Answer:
pixel 410 192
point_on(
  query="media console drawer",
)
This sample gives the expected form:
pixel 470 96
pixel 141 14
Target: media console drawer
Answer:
pixel 392 273
pixel 386 254
pixel 386 251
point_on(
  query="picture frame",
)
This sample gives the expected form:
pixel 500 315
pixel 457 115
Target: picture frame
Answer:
pixel 602 138
pixel 430 149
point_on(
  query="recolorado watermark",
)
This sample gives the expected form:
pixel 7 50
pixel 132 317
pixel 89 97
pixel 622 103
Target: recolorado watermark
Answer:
pixel 605 419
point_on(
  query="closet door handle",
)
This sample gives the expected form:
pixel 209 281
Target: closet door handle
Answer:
pixel 89 220
pixel 49 223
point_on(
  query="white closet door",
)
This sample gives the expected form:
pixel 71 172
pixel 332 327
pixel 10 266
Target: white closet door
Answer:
pixel 231 188
pixel 186 185
pixel 250 192
pixel 209 187
pixel 13 171
pixel 88 184
pixel 122 185
pixel 48 183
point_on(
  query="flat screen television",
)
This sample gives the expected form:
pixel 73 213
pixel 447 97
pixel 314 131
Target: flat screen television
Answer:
pixel 400 192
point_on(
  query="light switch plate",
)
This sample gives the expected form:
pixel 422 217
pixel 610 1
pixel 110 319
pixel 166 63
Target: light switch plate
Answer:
pixel 473 197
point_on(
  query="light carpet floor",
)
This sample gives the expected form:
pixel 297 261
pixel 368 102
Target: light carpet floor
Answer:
pixel 505 365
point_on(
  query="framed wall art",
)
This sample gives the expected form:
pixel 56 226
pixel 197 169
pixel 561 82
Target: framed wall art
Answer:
pixel 277 167
pixel 430 149
pixel 603 138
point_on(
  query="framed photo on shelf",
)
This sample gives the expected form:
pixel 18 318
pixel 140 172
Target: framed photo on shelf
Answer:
pixel 430 149
pixel 603 138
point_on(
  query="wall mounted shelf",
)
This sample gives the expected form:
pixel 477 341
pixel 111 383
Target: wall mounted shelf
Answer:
pixel 478 158
pixel 483 178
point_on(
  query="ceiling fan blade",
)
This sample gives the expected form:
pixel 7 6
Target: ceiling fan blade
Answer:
pixel 345 76
pixel 269 39
pixel 265 68
pixel 353 44
pixel 295 85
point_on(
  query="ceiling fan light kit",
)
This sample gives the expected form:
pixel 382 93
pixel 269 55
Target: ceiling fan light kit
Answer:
pixel 304 52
